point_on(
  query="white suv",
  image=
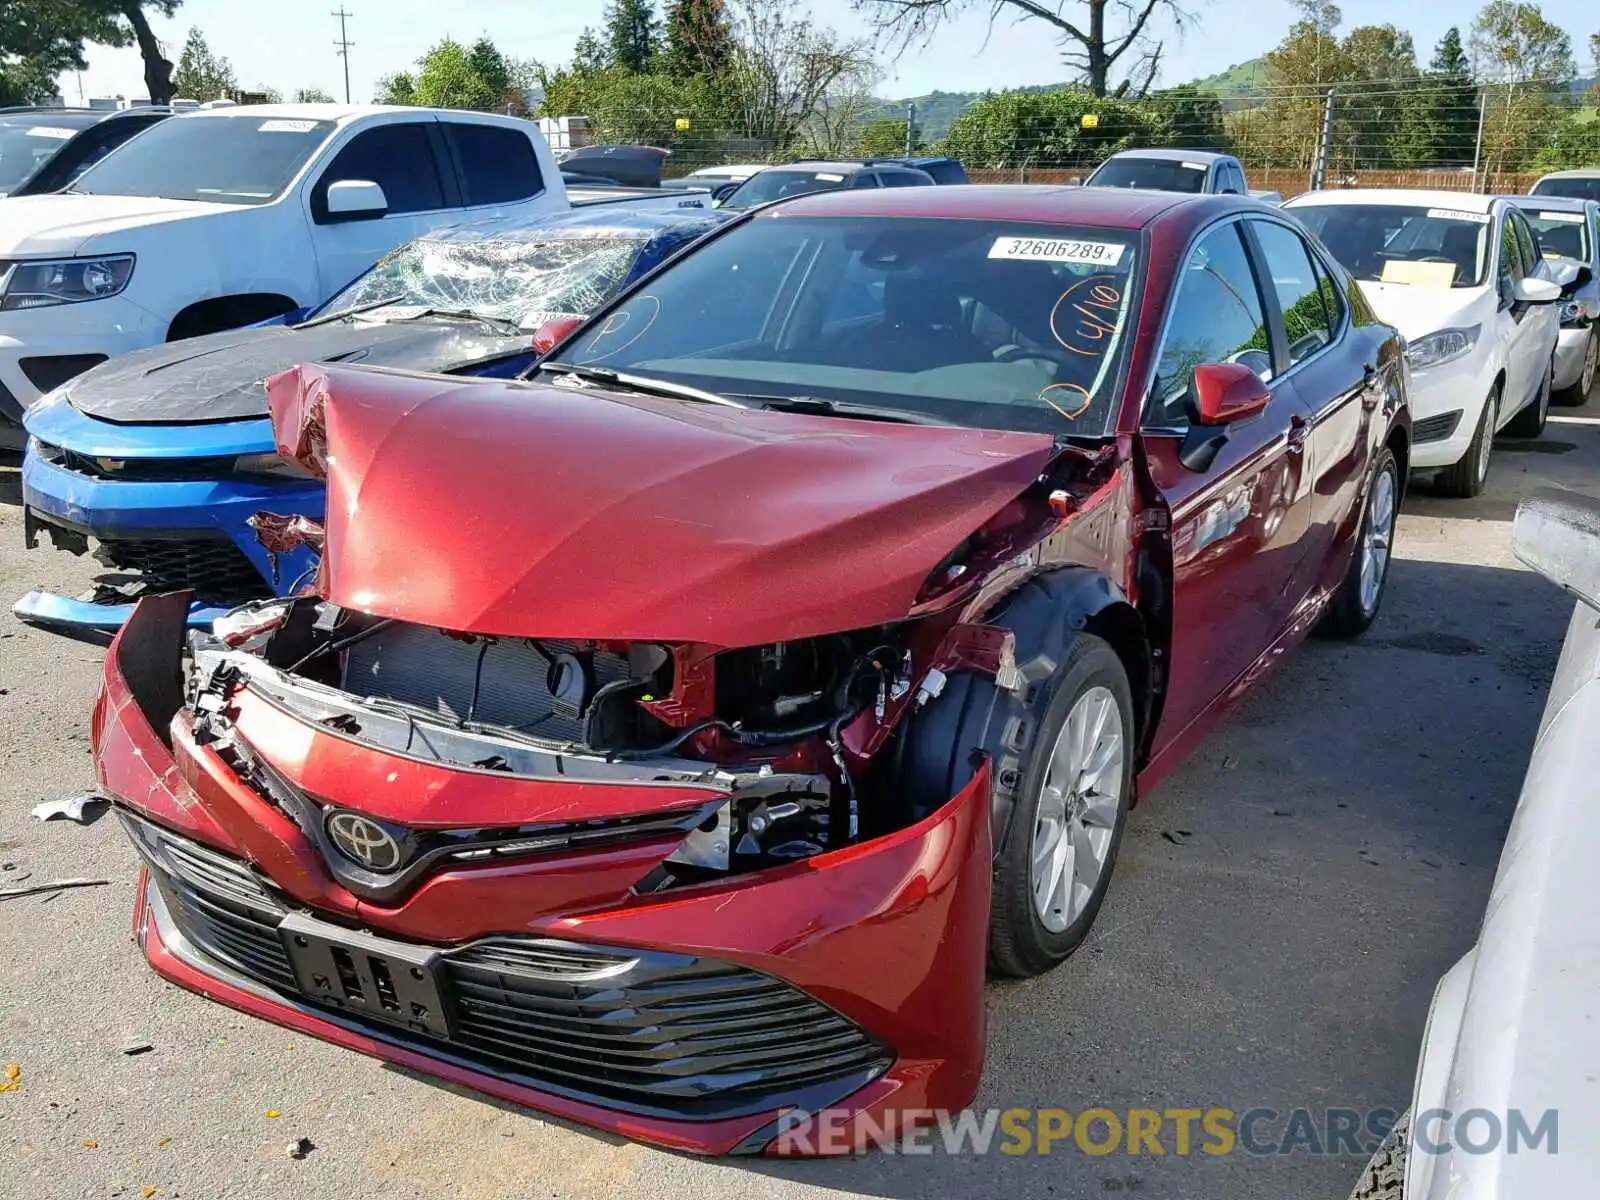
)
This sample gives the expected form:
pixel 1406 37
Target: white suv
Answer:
pixel 1462 278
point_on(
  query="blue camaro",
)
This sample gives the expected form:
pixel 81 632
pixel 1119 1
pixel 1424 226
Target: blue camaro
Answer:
pixel 160 457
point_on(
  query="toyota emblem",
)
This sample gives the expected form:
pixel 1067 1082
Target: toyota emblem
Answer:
pixel 364 841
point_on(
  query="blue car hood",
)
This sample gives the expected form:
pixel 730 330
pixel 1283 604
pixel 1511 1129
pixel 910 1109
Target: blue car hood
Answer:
pixel 221 376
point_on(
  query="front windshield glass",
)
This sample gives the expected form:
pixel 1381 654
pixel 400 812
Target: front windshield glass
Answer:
pixel 226 160
pixel 25 148
pixel 1560 234
pixel 1402 243
pixel 510 279
pixel 1573 188
pixel 994 324
pixel 1158 174
pixel 774 184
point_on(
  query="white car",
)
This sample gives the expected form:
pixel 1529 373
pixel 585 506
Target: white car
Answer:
pixel 216 219
pixel 1507 1093
pixel 1462 278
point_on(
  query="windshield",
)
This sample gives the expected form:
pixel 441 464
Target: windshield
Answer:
pixel 226 160
pixel 999 325
pixel 508 279
pixel 25 148
pixel 1560 234
pixel 1395 243
pixel 1579 188
pixel 1158 174
pixel 775 184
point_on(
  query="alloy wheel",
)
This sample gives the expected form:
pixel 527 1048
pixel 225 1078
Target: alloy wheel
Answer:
pixel 1077 810
pixel 1491 418
pixel 1376 539
pixel 1591 356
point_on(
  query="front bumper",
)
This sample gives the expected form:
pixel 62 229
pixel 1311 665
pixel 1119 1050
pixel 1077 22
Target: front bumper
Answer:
pixel 190 533
pixel 94 329
pixel 1461 387
pixel 1571 345
pixel 865 964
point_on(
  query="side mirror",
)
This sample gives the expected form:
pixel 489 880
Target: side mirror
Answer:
pixel 356 200
pixel 1535 291
pixel 1564 274
pixel 1226 393
pixel 553 332
pixel 1584 277
pixel 723 190
pixel 1557 533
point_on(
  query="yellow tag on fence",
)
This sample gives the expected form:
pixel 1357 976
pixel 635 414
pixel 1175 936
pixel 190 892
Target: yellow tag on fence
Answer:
pixel 1091 120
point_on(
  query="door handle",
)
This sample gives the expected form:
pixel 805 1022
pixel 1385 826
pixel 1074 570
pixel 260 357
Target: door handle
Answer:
pixel 1299 428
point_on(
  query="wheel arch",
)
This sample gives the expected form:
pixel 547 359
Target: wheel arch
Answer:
pixel 217 313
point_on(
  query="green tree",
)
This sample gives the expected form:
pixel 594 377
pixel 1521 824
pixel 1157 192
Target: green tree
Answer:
pixel 1045 129
pixel 699 37
pixel 590 53
pixel 884 138
pixel 634 34
pixel 1184 116
pixel 202 75
pixel 1574 143
pixel 398 87
pixel 311 95
pixel 1437 124
pixel 1525 63
pixel 446 80
pixel 40 39
pixel 489 65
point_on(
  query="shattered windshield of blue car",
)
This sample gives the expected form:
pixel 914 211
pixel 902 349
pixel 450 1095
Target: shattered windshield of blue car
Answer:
pixel 516 279
pixel 1001 325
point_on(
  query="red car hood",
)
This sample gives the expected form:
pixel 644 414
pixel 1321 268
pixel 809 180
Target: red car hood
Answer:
pixel 536 511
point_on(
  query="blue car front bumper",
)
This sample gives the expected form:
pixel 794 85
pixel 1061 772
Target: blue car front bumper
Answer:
pixel 170 532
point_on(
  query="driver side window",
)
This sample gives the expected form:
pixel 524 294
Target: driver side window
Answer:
pixel 1216 316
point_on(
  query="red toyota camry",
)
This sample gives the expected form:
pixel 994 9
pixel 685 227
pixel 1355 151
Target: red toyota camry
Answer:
pixel 673 738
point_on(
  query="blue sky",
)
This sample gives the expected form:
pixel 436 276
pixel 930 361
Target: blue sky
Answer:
pixel 288 44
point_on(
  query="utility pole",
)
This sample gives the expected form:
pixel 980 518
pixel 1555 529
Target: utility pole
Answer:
pixel 344 43
pixel 911 129
pixel 1319 168
pixel 1477 149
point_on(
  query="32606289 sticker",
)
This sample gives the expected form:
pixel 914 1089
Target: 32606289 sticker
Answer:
pixel 1061 250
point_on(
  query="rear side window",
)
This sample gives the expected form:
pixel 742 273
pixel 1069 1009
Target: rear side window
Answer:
pixel 948 171
pixel 866 179
pixel 398 158
pixel 1308 320
pixel 901 179
pixel 498 165
pixel 1525 242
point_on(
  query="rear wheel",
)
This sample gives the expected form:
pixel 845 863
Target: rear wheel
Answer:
pixel 1529 423
pixel 1579 391
pixel 1356 603
pixel 1465 479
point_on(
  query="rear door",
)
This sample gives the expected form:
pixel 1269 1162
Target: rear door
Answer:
pixel 1237 526
pixel 1516 325
pixel 1335 376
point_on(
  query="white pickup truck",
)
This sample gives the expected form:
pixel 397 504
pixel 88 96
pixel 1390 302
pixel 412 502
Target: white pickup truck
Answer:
pixel 223 218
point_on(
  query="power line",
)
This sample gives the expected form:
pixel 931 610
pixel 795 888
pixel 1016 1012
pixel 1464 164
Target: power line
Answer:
pixel 344 43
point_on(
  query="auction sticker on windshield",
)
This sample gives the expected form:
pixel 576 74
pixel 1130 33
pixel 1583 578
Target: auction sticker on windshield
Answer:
pixel 52 131
pixel 1454 214
pixel 1062 250
pixel 286 127
pixel 1562 218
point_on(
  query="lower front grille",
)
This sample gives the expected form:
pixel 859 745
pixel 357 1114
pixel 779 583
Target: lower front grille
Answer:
pixel 138 470
pixel 215 569
pixel 643 1030
pixel 1435 429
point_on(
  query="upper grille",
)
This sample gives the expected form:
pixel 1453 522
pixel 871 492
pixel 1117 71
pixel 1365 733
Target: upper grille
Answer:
pixel 1435 429
pixel 214 568
pixel 696 1037
pixel 138 470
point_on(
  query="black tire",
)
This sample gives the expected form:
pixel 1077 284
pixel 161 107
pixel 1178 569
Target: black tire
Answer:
pixel 1018 730
pixel 1465 479
pixel 1578 393
pixel 1529 423
pixel 1347 616
pixel 1385 1174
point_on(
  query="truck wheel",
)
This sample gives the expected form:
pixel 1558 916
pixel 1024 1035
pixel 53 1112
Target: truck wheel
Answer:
pixel 1061 753
pixel 1355 603
pixel 1385 1176
pixel 1465 479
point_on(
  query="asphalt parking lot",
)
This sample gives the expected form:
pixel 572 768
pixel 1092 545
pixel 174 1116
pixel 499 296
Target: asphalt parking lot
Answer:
pixel 1281 912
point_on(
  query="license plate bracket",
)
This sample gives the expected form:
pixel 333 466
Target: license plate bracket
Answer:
pixel 386 980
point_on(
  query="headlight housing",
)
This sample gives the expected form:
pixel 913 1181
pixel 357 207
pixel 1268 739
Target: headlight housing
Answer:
pixel 269 466
pixel 1571 312
pixel 64 281
pixel 1441 347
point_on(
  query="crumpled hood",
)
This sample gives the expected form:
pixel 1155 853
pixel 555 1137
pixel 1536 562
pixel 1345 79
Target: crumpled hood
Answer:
pixel 1418 311
pixel 32 226
pixel 222 376
pixel 528 510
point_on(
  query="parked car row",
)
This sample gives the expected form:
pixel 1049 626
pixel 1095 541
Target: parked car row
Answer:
pixel 649 663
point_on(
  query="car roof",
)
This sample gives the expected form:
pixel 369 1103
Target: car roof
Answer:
pixel 1580 173
pixel 1106 208
pixel 822 164
pixel 1406 197
pixel 602 221
pixel 1552 203
pixel 1171 155
pixel 339 113
pixel 64 118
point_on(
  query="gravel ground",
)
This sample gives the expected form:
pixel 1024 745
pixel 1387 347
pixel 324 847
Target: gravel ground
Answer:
pixel 1281 912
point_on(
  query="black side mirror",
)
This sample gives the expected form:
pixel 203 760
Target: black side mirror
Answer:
pixel 723 190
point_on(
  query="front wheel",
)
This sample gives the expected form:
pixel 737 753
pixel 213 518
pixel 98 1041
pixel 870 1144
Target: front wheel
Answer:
pixel 1465 479
pixel 1355 604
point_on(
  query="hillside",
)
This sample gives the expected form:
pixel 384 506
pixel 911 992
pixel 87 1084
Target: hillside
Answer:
pixel 1248 78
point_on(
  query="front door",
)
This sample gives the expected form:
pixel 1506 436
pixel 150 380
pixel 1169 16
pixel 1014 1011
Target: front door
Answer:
pixel 1237 526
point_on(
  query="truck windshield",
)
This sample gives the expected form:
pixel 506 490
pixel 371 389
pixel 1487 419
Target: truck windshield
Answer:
pixel 221 159
pixel 993 324
pixel 1577 187
pixel 1157 174
pixel 1560 234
